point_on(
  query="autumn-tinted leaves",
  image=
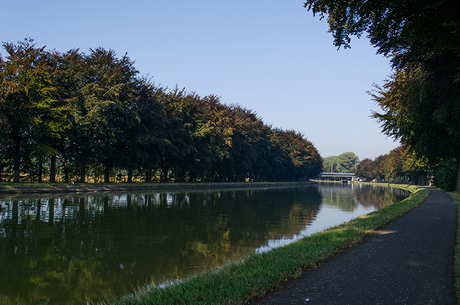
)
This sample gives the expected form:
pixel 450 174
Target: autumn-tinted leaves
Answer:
pixel 92 113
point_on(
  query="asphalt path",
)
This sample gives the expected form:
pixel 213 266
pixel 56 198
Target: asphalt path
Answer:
pixel 408 261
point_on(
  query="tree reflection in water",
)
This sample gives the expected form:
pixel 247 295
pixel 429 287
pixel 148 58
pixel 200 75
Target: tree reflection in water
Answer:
pixel 77 248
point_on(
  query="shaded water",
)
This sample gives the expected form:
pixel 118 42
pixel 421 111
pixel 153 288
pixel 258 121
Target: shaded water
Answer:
pixel 75 248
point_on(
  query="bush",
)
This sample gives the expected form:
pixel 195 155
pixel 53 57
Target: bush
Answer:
pixel 445 175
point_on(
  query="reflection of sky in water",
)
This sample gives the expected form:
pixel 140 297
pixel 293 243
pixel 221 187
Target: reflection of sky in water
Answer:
pixel 109 243
pixel 328 216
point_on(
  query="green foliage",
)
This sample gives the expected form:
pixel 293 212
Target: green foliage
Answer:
pixel 31 115
pixel 445 175
pixel 420 103
pixel 344 163
pixel 330 164
pixel 399 165
pixel 392 166
pixel 420 109
pixel 419 114
pixel 365 169
pixel 413 29
pixel 92 112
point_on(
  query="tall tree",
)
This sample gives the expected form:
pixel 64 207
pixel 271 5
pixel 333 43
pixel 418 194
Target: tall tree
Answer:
pixel 300 159
pixel 245 140
pixel 364 169
pixel 92 111
pixel 177 136
pixel 71 75
pixel 421 109
pixel 112 88
pixel 421 102
pixel 213 136
pixel 414 29
pixel 30 113
pixel 346 162
pixel 144 133
pixel 393 166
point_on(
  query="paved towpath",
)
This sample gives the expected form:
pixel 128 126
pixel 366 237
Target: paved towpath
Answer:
pixel 408 261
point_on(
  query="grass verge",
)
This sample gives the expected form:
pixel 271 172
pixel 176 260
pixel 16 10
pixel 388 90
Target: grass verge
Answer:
pixel 456 198
pixel 255 274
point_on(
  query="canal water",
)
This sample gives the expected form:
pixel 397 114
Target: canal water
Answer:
pixel 72 249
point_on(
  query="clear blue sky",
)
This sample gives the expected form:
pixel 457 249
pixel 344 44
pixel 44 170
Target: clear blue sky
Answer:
pixel 272 57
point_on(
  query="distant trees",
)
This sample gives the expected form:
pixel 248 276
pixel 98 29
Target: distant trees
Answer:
pixel 399 165
pixel 344 163
pixel 74 116
pixel 365 169
pixel 403 166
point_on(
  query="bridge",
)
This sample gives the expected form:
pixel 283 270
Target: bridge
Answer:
pixel 337 176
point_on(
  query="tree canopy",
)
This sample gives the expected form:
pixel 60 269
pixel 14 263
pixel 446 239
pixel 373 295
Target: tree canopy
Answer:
pixel 415 30
pixel 79 115
pixel 399 165
pixel 343 163
pixel 421 102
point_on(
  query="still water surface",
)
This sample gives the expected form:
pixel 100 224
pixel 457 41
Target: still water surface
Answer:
pixel 71 249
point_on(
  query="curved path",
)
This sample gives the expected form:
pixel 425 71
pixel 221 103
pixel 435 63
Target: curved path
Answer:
pixel 408 261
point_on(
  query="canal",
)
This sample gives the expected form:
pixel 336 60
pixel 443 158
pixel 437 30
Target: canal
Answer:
pixel 71 249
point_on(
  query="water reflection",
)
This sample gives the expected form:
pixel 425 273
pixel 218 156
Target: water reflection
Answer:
pixel 76 248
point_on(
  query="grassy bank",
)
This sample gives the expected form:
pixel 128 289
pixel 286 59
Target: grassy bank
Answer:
pixel 255 274
pixel 456 198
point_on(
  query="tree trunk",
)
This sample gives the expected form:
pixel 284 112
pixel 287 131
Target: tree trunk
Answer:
pixel 40 172
pixel 130 174
pixel 164 175
pixel 17 164
pixel 16 171
pixel 107 173
pixel 53 169
pixel 148 174
pixel 17 156
pixel 83 174
pixel 66 172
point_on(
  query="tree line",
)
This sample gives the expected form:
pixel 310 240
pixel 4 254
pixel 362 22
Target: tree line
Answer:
pixel 420 103
pixel 343 163
pixel 78 114
pixel 399 165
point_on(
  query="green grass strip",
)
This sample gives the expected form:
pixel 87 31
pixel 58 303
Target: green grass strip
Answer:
pixel 456 198
pixel 255 274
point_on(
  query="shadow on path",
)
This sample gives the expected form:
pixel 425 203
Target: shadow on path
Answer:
pixel 408 261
